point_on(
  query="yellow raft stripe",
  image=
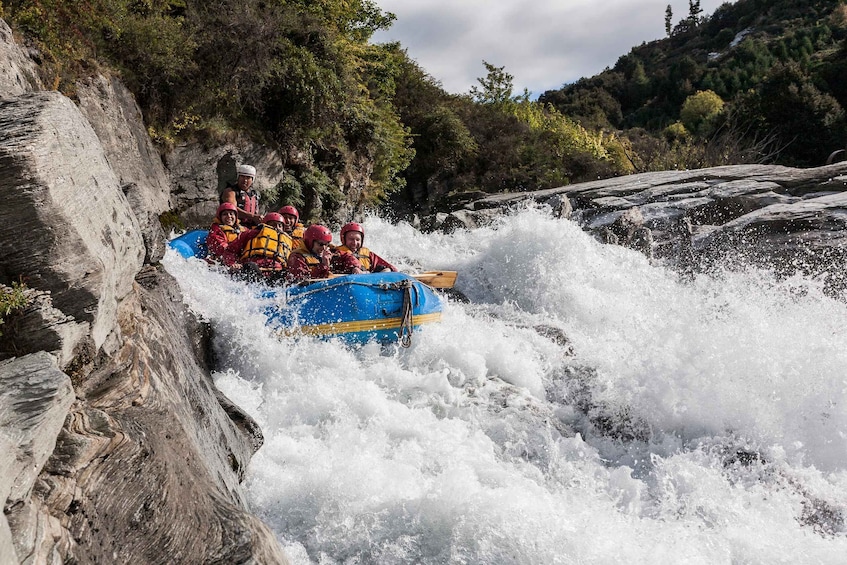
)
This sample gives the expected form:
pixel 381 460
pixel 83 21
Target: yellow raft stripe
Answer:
pixel 360 325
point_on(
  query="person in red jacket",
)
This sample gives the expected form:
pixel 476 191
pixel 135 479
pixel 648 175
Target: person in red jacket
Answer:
pixel 262 252
pixel 313 259
pixel 352 237
pixel 293 227
pixel 225 229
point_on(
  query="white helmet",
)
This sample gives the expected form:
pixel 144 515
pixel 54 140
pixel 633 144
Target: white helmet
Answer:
pixel 246 170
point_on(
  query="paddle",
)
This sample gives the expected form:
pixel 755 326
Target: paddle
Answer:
pixel 437 279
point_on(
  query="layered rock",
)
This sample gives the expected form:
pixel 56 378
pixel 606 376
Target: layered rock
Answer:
pixel 115 445
pixel 83 242
pixel 116 119
pixel 18 73
pixel 770 215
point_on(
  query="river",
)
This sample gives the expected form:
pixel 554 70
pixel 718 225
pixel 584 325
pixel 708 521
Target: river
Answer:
pixel 585 407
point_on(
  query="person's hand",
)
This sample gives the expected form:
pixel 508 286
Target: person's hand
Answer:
pixel 235 267
pixel 326 256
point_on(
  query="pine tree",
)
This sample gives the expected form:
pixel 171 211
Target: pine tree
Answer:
pixel 668 18
pixel 694 11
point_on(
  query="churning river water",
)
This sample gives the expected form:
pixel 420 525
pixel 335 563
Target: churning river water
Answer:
pixel 585 407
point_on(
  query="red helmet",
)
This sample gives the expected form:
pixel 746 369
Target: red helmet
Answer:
pixel 226 206
pixel 272 217
pixel 290 210
pixel 314 233
pixel 352 226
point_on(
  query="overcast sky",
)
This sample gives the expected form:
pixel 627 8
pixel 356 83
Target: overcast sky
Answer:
pixel 542 43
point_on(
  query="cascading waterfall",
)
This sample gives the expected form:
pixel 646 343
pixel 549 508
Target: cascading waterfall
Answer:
pixel 584 407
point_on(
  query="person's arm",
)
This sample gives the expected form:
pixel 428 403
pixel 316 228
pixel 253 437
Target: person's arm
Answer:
pixel 379 264
pixel 297 269
pixel 346 264
pixel 228 195
pixel 216 241
pixel 233 251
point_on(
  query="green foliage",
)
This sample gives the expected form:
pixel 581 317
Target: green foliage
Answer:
pixel 171 221
pixel 11 298
pixel 496 86
pixel 811 34
pixel 700 111
pixel 289 191
pixel 318 187
pixel 804 118
pixel 676 133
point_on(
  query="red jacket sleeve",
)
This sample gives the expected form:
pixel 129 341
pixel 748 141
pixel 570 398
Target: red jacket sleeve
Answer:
pixel 297 269
pixel 216 241
pixel 345 263
pixel 379 264
pixel 234 249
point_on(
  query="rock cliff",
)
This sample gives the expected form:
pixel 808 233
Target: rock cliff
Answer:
pixel 115 445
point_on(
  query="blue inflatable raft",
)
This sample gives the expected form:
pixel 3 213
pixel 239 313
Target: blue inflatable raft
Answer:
pixel 385 307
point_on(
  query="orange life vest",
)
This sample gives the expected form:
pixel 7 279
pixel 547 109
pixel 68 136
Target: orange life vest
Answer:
pixel 269 244
pixel 363 255
pixel 231 232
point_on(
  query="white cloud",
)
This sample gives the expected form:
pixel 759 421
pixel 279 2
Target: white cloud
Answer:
pixel 543 44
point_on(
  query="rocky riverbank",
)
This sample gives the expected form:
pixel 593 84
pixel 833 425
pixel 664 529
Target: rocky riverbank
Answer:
pixel 775 217
pixel 116 445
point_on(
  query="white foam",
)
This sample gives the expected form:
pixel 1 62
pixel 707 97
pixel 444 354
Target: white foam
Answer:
pixel 464 448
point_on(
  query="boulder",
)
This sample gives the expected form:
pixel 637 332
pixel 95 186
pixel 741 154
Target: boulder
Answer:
pixel 83 242
pixel 794 218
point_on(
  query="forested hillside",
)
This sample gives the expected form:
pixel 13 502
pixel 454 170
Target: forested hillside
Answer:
pixel 758 81
pixel 761 80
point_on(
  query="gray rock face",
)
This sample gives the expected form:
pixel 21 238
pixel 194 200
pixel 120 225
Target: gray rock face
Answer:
pixel 117 448
pixel 83 241
pixel 41 327
pixel 18 73
pixel 116 119
pixel 199 173
pixel 146 470
pixel 35 397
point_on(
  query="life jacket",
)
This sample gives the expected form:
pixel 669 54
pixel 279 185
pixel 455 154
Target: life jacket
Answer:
pixel 231 232
pixel 296 235
pixel 364 256
pixel 269 244
pixel 247 200
pixel 311 259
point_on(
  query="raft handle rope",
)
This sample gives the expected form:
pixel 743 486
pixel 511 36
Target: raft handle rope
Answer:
pixel 407 323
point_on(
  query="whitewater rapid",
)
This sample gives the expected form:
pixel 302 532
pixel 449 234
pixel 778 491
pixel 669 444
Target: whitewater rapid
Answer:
pixel 586 406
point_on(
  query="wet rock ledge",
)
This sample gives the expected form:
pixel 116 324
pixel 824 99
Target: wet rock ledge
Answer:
pixel 772 216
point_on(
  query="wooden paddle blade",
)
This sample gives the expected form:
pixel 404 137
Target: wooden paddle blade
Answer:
pixel 437 279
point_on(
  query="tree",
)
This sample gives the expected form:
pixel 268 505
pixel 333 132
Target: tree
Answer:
pixel 496 86
pixel 668 18
pixel 700 110
pixel 694 11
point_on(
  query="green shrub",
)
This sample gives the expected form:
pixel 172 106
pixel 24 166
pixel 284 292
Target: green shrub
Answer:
pixel 700 110
pixel 11 298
